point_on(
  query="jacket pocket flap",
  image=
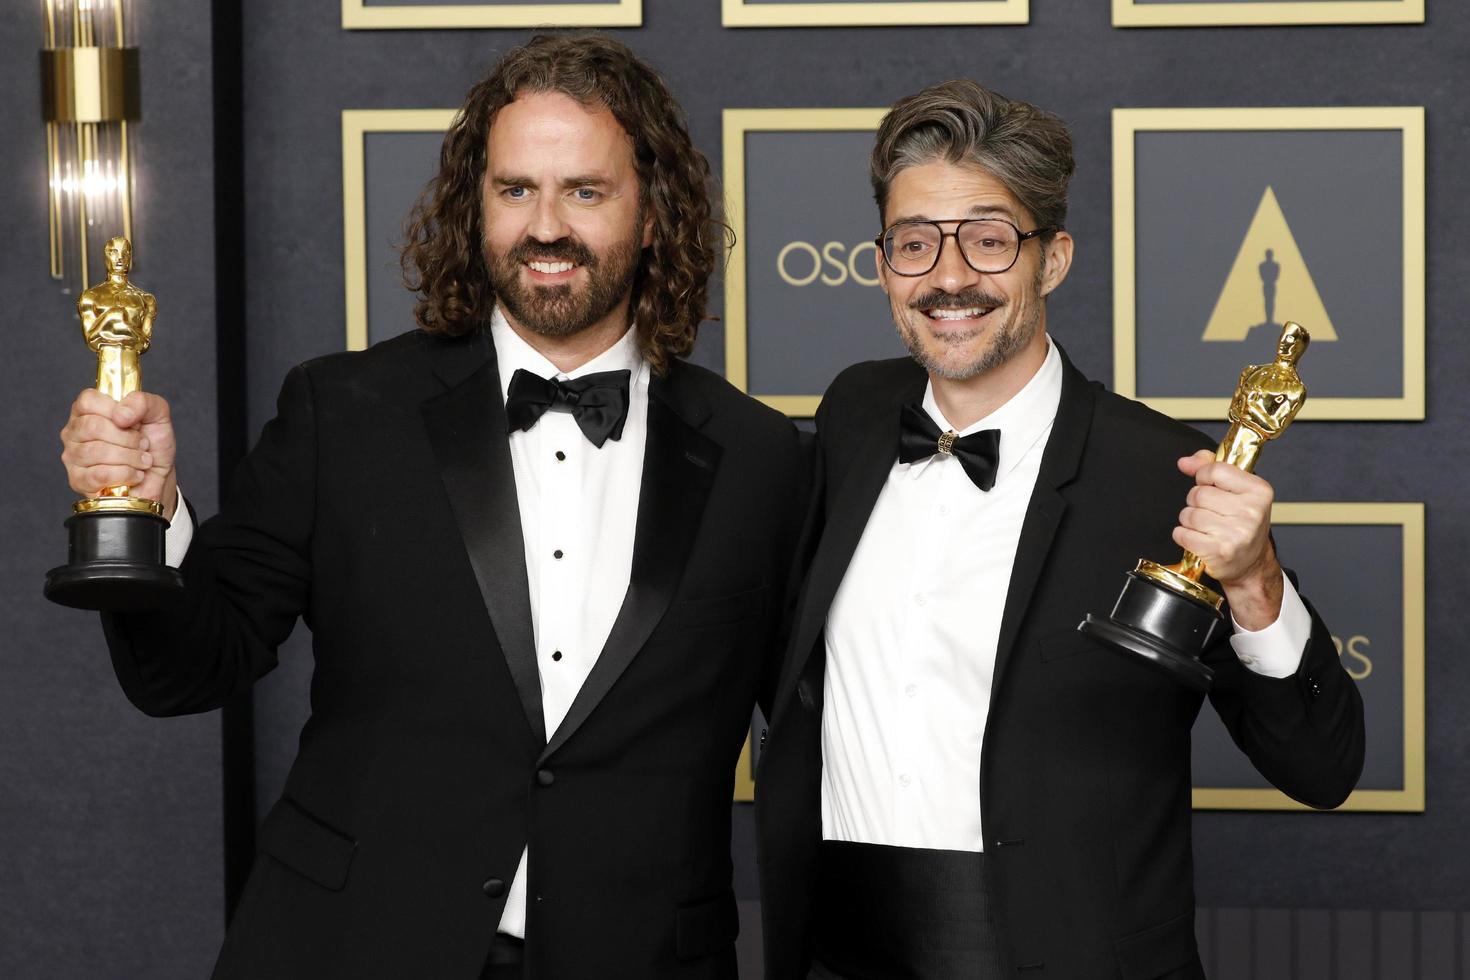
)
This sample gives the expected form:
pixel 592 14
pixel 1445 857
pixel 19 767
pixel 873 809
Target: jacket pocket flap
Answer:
pixel 719 609
pixel 1158 949
pixel 306 845
pixel 706 927
pixel 1055 646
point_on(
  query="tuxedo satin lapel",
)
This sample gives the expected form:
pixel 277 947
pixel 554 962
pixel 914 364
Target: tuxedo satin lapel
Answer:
pixel 679 464
pixel 1044 513
pixel 467 428
pixel 854 492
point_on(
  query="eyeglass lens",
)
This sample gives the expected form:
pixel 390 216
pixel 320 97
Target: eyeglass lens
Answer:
pixel 913 248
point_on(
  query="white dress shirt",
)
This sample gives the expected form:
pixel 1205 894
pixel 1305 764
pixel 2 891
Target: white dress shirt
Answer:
pixel 579 512
pixel 911 636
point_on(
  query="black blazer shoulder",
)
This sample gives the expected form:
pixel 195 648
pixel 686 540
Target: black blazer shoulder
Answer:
pixel 1124 425
pixel 732 416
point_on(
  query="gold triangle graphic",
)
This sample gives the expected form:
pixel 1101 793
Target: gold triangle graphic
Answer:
pixel 1269 283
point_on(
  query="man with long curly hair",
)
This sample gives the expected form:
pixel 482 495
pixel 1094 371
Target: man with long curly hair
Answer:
pixel 541 556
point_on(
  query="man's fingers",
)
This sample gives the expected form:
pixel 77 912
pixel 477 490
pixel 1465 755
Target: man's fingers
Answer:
pixel 1231 478
pixel 1222 501
pixel 100 428
pixel 92 402
pixel 1205 521
pixel 95 479
pixel 102 454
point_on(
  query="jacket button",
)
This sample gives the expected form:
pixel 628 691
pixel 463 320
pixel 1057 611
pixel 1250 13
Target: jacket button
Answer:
pixel 544 777
pixel 493 887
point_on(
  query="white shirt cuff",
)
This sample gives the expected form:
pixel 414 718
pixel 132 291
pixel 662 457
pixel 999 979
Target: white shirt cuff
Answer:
pixel 180 532
pixel 1276 650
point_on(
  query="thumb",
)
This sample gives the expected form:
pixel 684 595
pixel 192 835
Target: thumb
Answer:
pixel 1190 465
pixel 140 408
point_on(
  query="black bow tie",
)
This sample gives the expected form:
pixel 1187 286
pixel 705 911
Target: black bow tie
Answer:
pixel 599 402
pixel 919 438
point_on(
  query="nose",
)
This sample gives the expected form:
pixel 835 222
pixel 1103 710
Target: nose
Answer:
pixel 547 222
pixel 952 273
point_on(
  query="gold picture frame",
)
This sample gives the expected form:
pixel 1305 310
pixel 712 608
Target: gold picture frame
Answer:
pixel 358 15
pixel 874 13
pixel 1410 518
pixel 1409 120
pixel 737 123
pixel 1131 13
pixel 357 124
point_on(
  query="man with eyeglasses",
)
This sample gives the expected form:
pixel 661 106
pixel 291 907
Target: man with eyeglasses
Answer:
pixel 958 784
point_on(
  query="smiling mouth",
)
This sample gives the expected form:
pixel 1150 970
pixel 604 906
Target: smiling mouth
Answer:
pixel 965 313
pixel 550 268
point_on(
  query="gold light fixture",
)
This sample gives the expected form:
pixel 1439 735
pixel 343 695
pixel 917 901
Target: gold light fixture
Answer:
pixel 89 94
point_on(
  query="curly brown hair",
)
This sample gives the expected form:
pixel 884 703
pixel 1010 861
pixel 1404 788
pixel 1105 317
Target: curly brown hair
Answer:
pixel 443 258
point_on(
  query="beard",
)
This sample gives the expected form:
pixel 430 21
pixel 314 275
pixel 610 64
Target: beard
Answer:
pixel 561 310
pixel 1011 335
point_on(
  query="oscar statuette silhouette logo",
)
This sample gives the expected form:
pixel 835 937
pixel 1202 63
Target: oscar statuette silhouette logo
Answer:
pixel 1268 266
pixel 116 541
pixel 1165 614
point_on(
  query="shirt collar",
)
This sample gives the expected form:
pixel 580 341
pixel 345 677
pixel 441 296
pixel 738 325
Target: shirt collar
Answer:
pixel 1022 420
pixel 513 353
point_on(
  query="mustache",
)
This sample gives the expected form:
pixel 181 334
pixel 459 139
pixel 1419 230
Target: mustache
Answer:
pixel 937 299
pixel 563 249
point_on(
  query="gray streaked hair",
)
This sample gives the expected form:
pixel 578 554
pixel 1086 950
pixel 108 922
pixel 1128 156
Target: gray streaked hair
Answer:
pixel 961 122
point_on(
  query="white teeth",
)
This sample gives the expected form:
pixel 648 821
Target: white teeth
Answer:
pixel 967 314
pixel 551 268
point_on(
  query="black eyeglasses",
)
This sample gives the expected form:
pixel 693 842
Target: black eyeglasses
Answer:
pixel 989 245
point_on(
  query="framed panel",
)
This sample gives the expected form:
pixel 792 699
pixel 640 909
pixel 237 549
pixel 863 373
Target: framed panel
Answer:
pixel 370 281
pixel 801 289
pixel 745 772
pixel 1225 220
pixel 866 13
pixel 413 15
pixel 1227 13
pixel 1362 564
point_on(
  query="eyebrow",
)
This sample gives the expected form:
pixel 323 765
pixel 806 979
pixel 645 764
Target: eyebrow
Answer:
pixel 978 211
pixel 583 180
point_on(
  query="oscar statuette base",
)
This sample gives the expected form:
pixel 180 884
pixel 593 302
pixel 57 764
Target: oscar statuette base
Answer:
pixel 1163 622
pixel 115 558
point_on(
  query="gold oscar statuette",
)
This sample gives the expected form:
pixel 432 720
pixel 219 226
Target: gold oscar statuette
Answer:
pixel 116 552
pixel 1165 614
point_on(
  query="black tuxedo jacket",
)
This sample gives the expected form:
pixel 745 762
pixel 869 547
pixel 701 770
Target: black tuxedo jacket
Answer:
pixel 380 507
pixel 1085 772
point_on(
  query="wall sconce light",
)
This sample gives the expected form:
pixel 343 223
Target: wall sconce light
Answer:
pixel 89 94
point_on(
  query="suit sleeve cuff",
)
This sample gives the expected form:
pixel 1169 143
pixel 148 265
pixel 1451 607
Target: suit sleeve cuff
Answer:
pixel 180 532
pixel 1276 650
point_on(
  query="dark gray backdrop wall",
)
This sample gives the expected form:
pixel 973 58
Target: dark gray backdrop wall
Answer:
pixel 302 71
pixel 110 822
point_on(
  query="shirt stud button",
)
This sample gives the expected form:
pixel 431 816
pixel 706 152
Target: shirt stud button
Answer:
pixel 556 553
pixel 912 690
pixel 556 655
pixel 560 455
pixel 904 780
